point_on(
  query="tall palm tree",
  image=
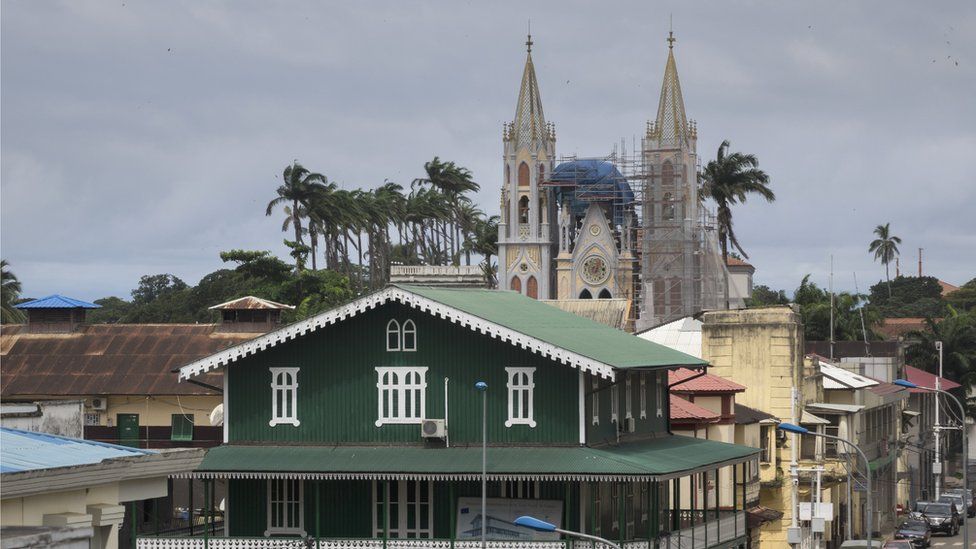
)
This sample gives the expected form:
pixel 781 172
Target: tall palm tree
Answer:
pixel 727 180
pixel 9 292
pixel 957 332
pixel 297 188
pixel 885 248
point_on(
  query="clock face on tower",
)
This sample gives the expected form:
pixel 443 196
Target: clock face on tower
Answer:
pixel 595 270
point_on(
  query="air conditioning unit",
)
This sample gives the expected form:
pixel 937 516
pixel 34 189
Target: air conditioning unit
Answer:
pixel 97 404
pixel 432 428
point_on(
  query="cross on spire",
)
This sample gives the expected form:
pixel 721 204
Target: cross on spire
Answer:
pixel 529 43
pixel 671 38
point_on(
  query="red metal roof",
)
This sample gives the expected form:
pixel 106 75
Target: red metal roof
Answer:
pixel 707 383
pixel 681 409
pixel 108 359
pixel 925 379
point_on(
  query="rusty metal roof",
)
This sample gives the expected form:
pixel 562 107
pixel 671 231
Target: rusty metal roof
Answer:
pixel 108 359
pixel 251 302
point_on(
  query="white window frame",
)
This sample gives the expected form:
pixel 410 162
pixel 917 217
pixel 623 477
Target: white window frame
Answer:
pixel 628 397
pixel 643 395
pixel 596 399
pixel 402 508
pixel 408 328
pixel 520 489
pixel 396 384
pixel 515 394
pixel 614 402
pixel 286 485
pixel 393 327
pixel 614 506
pixel 284 393
pixel 660 381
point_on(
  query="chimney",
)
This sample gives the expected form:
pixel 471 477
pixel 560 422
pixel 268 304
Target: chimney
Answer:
pixel 55 314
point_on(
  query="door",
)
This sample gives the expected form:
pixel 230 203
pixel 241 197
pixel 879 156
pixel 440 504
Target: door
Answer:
pixel 128 429
pixel 409 508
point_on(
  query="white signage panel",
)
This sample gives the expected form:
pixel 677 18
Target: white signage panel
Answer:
pixel 502 513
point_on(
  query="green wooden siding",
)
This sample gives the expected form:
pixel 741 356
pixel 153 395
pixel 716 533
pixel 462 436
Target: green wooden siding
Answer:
pixel 337 394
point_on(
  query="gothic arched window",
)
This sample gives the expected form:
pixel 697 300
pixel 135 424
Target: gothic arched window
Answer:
pixel 516 284
pixel 523 175
pixel 585 294
pixel 524 209
pixel 605 294
pixel 667 173
pixel 542 173
pixel 667 211
pixel 532 288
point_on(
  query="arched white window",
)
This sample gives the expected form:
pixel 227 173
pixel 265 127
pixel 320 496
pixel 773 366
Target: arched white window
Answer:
pixel 392 335
pixel 284 396
pixel 409 339
pixel 628 398
pixel 520 389
pixel 596 399
pixel 643 396
pixel 401 394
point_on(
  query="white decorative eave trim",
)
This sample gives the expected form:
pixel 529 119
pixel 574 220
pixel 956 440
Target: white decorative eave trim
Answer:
pixel 363 304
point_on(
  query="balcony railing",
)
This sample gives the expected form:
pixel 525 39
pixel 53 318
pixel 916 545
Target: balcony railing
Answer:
pixel 730 525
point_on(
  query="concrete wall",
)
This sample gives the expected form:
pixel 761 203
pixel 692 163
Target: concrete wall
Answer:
pixel 56 417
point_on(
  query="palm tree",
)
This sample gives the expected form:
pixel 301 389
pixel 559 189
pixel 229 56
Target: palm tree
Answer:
pixel 885 248
pixel 957 332
pixel 729 179
pixel 298 188
pixel 9 292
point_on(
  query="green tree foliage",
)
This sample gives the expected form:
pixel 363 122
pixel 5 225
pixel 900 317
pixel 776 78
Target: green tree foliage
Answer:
pixel 153 287
pixel 113 311
pixel 909 296
pixel 9 294
pixel 730 179
pixel 764 296
pixel 964 299
pixel 814 305
pixel 957 332
pixel 885 247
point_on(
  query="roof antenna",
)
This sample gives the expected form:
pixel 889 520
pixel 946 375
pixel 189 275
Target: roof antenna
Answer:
pixel 528 42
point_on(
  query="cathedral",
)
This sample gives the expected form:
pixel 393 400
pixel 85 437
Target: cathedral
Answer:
pixel 582 229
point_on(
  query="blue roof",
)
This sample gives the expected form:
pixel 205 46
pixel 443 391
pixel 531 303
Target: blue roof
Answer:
pixel 582 182
pixel 29 451
pixel 57 302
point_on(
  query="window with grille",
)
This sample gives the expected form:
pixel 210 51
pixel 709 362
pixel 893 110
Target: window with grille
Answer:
pixel 93 418
pixel 406 507
pixel 520 389
pixel 401 338
pixel 764 435
pixel 286 510
pixel 830 445
pixel 284 396
pixel 643 395
pixel 181 427
pixel 401 394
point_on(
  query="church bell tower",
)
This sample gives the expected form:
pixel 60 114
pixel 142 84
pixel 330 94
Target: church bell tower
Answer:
pixel 525 239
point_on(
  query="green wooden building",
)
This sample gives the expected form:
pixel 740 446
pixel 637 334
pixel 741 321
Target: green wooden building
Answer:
pixel 362 427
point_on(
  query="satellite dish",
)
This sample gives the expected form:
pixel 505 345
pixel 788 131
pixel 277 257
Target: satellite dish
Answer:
pixel 217 416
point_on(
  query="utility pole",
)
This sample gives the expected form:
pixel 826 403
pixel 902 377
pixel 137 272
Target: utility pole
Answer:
pixel 831 307
pixel 937 466
pixel 920 262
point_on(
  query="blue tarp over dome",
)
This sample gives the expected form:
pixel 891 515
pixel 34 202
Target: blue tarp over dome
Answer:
pixel 586 181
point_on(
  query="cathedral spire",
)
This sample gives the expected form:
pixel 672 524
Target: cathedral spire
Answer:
pixel 671 125
pixel 529 126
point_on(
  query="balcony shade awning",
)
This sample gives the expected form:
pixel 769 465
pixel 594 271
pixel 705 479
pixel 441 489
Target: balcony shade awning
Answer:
pixel 835 408
pixel 809 419
pixel 661 458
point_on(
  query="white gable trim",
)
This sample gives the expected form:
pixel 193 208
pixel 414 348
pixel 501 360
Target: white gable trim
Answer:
pixel 349 310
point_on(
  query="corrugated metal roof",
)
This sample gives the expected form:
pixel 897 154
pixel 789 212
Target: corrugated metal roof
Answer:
pixel 830 407
pixel 682 409
pixel 252 302
pixel 684 334
pixel 57 302
pixel 609 312
pixel 29 451
pixel 809 419
pixel 746 415
pixel 108 359
pixel 707 383
pixel 925 379
pixel 659 456
pixel 835 377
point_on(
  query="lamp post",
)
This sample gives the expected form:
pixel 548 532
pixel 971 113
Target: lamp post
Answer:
pixel 790 428
pixel 965 448
pixel 543 526
pixel 483 387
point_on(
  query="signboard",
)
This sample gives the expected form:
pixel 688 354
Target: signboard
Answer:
pixel 825 511
pixel 502 513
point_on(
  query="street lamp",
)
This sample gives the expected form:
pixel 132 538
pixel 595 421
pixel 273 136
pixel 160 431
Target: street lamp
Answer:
pixel 483 387
pixel 965 449
pixel 790 428
pixel 543 526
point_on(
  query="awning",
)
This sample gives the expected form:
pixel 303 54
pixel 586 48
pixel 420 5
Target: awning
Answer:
pixel 759 515
pixel 911 413
pixel 809 419
pixel 830 407
pixel 662 458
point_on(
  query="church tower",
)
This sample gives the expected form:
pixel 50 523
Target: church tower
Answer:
pixel 671 259
pixel 525 240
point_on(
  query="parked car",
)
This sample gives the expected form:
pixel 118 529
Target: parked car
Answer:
pixel 959 501
pixel 969 499
pixel 942 517
pixel 917 532
pixel 897 544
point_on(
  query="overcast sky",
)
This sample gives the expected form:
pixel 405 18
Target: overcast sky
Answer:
pixel 145 137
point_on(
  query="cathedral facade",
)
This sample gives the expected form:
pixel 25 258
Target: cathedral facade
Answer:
pixel 576 230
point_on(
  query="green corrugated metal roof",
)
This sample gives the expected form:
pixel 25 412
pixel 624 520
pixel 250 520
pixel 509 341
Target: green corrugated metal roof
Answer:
pixel 658 457
pixel 557 327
